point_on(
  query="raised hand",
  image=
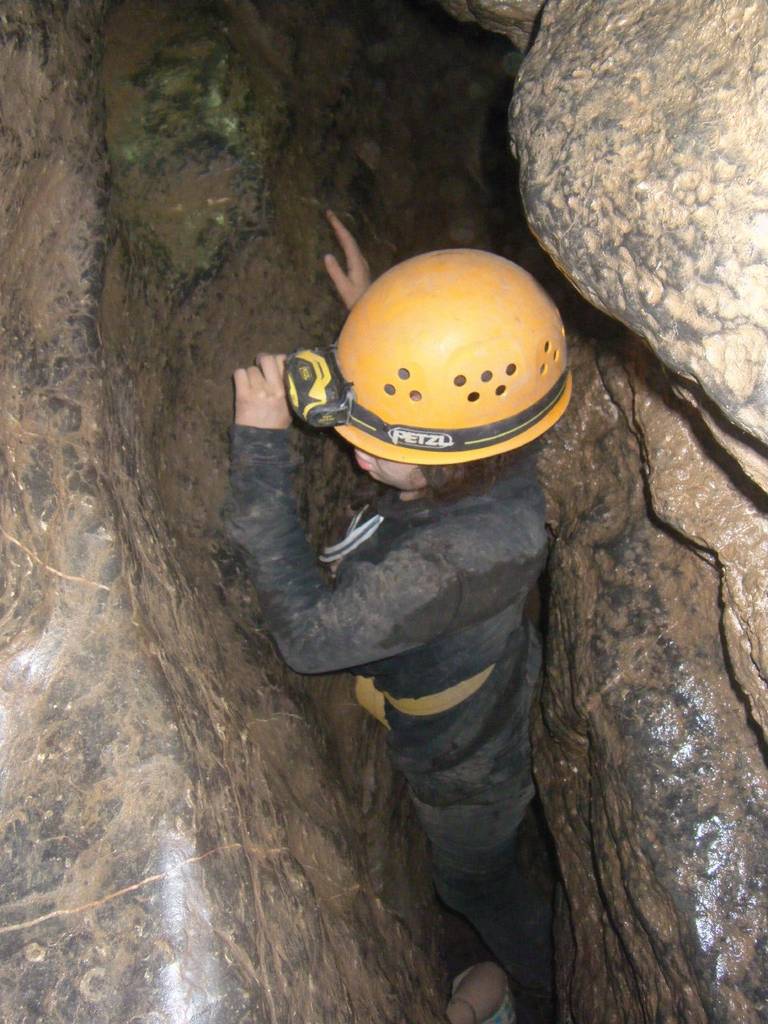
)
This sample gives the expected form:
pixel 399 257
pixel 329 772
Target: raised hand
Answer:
pixel 350 284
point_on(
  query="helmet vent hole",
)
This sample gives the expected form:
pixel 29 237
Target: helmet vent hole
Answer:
pixel 460 381
pixel 543 368
pixel 512 368
pixel 473 396
pixel 390 389
pixel 403 374
pixel 547 346
pixel 486 375
pixel 501 389
pixel 415 396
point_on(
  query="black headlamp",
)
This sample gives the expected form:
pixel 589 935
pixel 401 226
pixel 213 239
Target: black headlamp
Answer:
pixel 316 389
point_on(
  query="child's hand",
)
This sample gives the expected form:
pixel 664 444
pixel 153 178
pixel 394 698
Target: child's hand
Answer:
pixel 350 284
pixel 260 399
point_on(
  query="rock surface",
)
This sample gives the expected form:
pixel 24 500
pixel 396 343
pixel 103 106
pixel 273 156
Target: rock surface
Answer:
pixel 637 128
pixel 188 832
pixel 515 19
pixel 652 776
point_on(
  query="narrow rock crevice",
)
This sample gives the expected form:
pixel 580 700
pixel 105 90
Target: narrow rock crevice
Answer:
pixel 189 830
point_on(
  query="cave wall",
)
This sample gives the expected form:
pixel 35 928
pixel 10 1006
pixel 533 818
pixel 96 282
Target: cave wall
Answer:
pixel 650 769
pixel 190 832
pixel 636 126
pixel 516 19
pixel 163 855
pixel 161 852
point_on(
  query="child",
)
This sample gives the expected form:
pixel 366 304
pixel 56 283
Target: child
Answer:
pixel 447 366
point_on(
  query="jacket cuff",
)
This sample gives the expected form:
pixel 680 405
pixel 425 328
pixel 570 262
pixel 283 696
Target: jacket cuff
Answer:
pixel 256 444
pixel 261 462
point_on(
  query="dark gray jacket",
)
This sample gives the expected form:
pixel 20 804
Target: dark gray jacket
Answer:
pixel 435 596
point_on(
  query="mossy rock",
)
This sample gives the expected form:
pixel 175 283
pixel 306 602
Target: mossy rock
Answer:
pixel 191 133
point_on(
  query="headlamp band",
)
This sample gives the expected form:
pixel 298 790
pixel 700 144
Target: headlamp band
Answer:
pixel 464 439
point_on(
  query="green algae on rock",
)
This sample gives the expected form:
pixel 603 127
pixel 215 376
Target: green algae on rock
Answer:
pixel 184 103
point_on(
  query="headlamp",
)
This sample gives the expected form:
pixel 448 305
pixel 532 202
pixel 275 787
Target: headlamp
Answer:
pixel 316 390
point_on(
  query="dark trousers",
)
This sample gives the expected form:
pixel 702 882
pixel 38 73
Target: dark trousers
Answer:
pixel 475 874
pixel 471 803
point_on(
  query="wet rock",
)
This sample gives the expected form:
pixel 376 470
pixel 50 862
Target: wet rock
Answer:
pixel 652 775
pixel 163 855
pixel 637 129
pixel 515 19
pixel 705 497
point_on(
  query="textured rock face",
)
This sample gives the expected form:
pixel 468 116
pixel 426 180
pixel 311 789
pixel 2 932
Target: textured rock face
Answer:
pixel 187 832
pixel 179 841
pixel 652 776
pixel 638 128
pixel 513 18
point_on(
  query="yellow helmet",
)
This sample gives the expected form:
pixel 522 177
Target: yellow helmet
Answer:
pixel 452 356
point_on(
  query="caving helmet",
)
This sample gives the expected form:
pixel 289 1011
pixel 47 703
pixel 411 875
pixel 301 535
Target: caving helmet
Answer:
pixel 448 357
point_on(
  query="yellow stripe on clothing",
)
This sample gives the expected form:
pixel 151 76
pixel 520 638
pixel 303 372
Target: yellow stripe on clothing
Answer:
pixel 374 701
pixel 371 699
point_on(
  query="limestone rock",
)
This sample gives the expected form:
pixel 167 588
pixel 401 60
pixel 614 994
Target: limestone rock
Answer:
pixel 175 842
pixel 707 500
pixel 640 131
pixel 513 18
pixel 652 777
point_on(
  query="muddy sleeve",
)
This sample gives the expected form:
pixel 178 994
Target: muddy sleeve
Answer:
pixel 377 611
